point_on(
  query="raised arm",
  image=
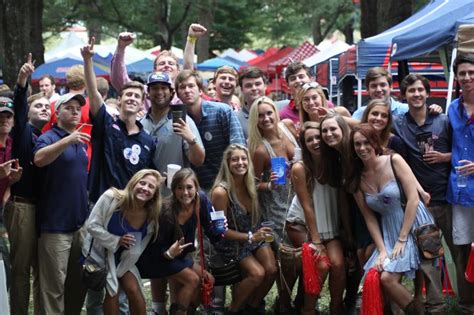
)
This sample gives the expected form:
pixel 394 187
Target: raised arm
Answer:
pixel 20 100
pixel 49 153
pixel 95 99
pixel 118 70
pixel 195 31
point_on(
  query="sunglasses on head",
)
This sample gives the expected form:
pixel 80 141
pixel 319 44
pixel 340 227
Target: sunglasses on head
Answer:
pixel 6 104
pixel 310 85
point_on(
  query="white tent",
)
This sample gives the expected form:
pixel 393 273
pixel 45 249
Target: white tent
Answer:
pixel 335 49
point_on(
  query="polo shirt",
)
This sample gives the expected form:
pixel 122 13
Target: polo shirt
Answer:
pixel 290 112
pixel 243 116
pixel 62 205
pixel 219 127
pixel 432 177
pixel 24 136
pixel 116 155
pixel 397 108
pixel 463 149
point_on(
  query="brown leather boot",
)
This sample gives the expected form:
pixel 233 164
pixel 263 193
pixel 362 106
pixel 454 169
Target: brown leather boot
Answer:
pixel 415 307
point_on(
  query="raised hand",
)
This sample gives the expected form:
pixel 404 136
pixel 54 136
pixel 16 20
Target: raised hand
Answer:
pixel 88 50
pixel 125 39
pixel 196 30
pixel 26 70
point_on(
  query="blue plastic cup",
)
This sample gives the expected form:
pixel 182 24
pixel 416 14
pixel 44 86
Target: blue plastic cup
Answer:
pixel 279 168
pixel 218 221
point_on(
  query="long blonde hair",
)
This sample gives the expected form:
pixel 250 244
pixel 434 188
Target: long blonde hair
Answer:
pixel 255 134
pixel 225 178
pixel 127 200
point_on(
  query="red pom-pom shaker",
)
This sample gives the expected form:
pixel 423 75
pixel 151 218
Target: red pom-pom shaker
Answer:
pixel 469 274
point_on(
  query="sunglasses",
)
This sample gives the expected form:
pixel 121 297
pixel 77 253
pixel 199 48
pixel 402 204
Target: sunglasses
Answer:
pixel 310 85
pixel 6 104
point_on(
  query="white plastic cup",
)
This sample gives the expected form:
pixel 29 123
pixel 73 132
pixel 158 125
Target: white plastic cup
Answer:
pixel 135 249
pixel 171 169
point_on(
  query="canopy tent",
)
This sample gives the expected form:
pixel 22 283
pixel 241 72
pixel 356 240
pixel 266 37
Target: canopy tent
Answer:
pixel 217 62
pixel 298 54
pixel 375 51
pixel 336 49
pixel 243 55
pixel 142 66
pixel 422 40
pixel 59 68
pixel 265 62
pixel 269 52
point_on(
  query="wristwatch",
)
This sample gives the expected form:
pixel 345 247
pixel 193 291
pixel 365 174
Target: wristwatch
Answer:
pixel 194 141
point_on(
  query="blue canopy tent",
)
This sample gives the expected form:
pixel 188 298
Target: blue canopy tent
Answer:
pixel 375 51
pixel 215 63
pixel 58 69
pixel 423 40
pixel 422 44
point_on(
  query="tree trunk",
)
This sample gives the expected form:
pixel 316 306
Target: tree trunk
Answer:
pixel 22 30
pixel 316 30
pixel 379 15
pixel 368 18
pixel 206 19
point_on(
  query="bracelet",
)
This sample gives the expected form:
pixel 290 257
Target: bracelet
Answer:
pixel 269 186
pixel 168 255
pixel 250 236
pixel 399 240
pixel 192 39
pixel 316 243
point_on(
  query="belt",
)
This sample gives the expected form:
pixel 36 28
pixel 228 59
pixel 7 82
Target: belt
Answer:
pixel 23 200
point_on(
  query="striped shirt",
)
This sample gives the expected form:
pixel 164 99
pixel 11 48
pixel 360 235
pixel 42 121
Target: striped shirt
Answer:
pixel 219 127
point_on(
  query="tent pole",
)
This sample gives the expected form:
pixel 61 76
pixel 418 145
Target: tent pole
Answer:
pixel 330 80
pixel 359 92
pixel 451 79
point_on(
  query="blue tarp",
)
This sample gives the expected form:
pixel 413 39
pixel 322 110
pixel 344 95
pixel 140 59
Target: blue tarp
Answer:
pixel 424 40
pixel 214 63
pixel 375 51
pixel 142 66
pixel 58 69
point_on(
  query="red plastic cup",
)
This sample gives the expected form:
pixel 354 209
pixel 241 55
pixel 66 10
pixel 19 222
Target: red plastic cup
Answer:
pixel 469 274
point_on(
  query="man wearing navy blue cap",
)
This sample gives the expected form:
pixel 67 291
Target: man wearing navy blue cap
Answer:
pixel 177 139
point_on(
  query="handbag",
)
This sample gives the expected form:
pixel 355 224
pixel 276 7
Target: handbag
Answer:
pixel 93 275
pixel 207 286
pixel 428 239
pixel 427 236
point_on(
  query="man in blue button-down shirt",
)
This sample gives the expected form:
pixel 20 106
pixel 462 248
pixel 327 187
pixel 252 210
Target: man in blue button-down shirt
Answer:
pixel 461 116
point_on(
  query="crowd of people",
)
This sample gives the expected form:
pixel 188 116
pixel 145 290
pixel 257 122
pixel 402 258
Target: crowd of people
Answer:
pixel 85 176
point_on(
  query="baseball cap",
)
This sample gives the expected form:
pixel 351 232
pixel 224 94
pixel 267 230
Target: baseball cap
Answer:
pixel 6 105
pixel 69 96
pixel 159 77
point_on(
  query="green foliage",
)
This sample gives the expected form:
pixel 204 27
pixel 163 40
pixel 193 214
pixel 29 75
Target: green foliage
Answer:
pixel 234 23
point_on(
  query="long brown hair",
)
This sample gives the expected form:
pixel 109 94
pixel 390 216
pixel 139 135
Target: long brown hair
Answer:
pixel 356 167
pixel 335 163
pixel 312 170
pixel 385 134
